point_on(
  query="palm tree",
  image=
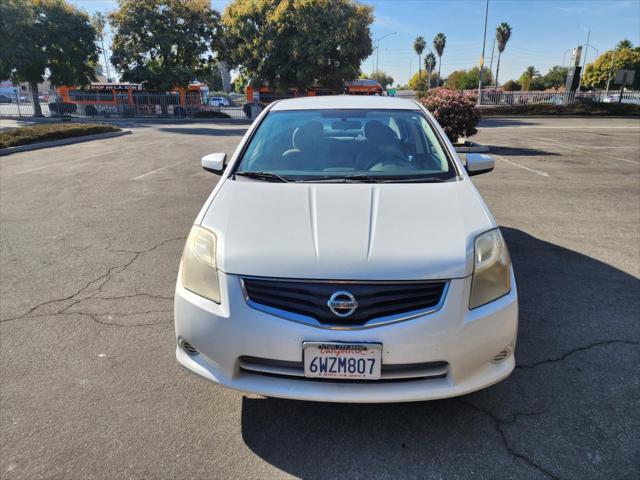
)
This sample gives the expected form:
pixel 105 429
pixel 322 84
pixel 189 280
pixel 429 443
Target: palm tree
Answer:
pixel 418 46
pixel 439 43
pixel 429 63
pixel 503 33
pixel 622 44
pixel 529 74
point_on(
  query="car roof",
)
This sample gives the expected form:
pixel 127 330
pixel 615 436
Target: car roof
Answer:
pixel 346 102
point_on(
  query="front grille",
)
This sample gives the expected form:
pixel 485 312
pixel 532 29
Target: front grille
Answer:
pixel 409 372
pixel 374 299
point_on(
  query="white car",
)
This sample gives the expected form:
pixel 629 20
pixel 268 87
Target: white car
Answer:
pixel 218 102
pixel 346 256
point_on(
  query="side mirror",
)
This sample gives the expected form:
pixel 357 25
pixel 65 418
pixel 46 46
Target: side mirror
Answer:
pixel 214 162
pixel 478 163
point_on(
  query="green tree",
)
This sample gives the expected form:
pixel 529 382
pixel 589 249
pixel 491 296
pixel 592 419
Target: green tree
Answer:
pixel 429 63
pixel 597 73
pixel 164 43
pixel 382 78
pixel 624 44
pixel 511 86
pixel 297 43
pixel 555 77
pixel 503 34
pixel 419 45
pixel 456 79
pixel 439 42
pixel 46 37
pixel 527 76
pixel 467 79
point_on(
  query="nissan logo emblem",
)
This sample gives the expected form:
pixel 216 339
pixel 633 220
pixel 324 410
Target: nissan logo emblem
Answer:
pixel 342 304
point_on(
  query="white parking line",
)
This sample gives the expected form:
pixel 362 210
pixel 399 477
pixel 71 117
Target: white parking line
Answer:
pixel 30 170
pixel 588 152
pixel 157 170
pixel 532 170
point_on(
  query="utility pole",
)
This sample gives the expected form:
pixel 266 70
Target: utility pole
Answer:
pixel 610 70
pixel 484 40
pixel 584 61
pixel 378 47
pixel 493 48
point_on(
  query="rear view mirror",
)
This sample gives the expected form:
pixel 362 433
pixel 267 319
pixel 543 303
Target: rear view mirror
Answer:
pixel 214 162
pixel 478 163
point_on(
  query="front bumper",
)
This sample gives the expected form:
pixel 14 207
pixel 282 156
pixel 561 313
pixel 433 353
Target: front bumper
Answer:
pixel 468 340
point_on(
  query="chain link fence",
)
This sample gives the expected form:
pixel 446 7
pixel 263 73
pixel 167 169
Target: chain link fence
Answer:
pixel 137 104
pixel 141 104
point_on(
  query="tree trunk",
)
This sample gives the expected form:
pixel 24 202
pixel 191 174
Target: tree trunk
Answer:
pixel 495 88
pixel 37 111
pixel 419 69
pixel 429 77
pixel 439 67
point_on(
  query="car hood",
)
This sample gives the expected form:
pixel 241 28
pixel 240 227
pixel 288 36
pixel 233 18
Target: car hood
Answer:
pixel 347 231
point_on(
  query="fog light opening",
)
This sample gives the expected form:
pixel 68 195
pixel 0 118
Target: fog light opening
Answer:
pixel 503 355
pixel 187 347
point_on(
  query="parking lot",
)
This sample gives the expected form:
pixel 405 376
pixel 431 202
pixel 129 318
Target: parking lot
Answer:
pixel 91 239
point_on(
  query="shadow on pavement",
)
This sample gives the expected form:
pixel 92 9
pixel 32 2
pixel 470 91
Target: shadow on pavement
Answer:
pixel 520 151
pixel 212 132
pixel 578 325
pixel 491 122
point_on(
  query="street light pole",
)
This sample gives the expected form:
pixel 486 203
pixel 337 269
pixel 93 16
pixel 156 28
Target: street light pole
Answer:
pixel 484 41
pixel 584 61
pixel 378 47
pixel 610 70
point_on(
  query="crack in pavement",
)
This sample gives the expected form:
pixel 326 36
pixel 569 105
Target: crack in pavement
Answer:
pixel 564 356
pixel 499 424
pixel 104 278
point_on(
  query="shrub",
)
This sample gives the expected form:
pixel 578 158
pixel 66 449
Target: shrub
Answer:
pixel 211 114
pixel 456 111
pixel 60 108
pixel 45 132
pixel 597 109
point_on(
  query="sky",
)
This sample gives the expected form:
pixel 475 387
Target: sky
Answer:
pixel 542 31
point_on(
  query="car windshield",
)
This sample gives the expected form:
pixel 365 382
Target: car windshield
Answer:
pixel 339 145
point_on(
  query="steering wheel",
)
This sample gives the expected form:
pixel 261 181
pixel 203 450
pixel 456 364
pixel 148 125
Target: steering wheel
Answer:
pixel 390 159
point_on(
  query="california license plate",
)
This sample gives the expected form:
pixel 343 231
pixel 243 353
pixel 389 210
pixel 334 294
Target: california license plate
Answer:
pixel 342 360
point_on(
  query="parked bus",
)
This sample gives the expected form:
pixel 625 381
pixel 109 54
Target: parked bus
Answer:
pixel 361 86
pixel 130 98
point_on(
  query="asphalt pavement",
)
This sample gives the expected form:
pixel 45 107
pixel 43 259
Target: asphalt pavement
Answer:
pixel 90 239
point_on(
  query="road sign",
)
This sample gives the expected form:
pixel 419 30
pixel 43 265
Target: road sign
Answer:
pixel 392 92
pixel 624 77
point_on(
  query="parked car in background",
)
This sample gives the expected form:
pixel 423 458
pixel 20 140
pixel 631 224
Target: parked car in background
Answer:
pixel 219 102
pixel 346 256
pixel 5 99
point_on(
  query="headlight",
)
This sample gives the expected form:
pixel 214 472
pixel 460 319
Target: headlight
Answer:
pixel 199 272
pixel 491 270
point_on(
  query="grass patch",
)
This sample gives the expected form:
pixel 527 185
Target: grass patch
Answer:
pixel 596 109
pixel 211 114
pixel 46 132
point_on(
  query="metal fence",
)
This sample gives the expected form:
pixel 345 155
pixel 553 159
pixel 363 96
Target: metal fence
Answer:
pixel 235 106
pixel 493 98
pixel 105 104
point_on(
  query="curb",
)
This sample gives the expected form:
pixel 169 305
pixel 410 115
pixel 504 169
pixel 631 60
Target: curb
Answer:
pixel 64 141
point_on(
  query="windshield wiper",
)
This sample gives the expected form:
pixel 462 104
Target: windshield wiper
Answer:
pixel 266 176
pixel 417 179
pixel 365 179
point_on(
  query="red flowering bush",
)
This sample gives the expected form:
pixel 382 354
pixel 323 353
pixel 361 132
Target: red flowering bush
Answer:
pixel 456 111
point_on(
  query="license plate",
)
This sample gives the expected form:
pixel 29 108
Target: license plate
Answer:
pixel 342 360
